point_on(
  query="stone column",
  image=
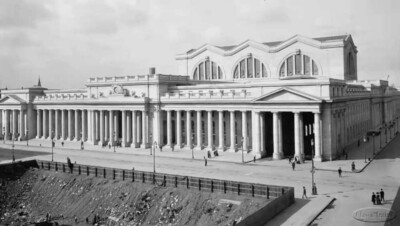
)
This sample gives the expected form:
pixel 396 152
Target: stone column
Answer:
pixel 297 134
pixel 210 131
pixel 317 136
pixel 44 124
pixel 244 131
pixel 262 132
pixel 134 130
pixel 144 130
pixel 199 135
pixel 221 144
pixel 123 143
pixel 77 136
pixel 116 126
pixel 139 128
pixel 102 127
pixel 21 125
pixel 111 127
pixel 97 127
pixel 128 129
pixel 280 141
pixel 301 137
pixel 38 123
pixel 56 125
pixel 233 131
pixel 178 130
pixel 70 129
pixel 275 125
pixel 169 129
pixel 84 124
pixel 51 128
pixel 256 133
pixel 63 124
pixel 188 129
pixel 93 122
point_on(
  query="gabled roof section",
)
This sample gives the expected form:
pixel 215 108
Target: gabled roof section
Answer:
pixel 321 42
pixel 12 99
pixel 287 95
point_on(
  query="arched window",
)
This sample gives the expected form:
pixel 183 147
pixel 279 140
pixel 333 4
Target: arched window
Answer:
pixel 250 67
pixel 298 64
pixel 207 70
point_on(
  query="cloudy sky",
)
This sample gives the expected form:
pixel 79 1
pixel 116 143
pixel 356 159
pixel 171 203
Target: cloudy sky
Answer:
pixel 67 41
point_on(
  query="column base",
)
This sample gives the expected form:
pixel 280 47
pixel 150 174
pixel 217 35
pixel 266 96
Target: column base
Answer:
pixel 257 155
pixel 232 150
pixel 126 145
pixel 134 145
pixel 144 146
pixel 277 156
pixel 317 159
pixel 221 149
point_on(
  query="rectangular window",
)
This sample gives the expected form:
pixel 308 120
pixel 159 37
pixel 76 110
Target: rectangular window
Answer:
pixel 315 68
pixel 208 72
pixel 290 66
pixel 201 72
pixel 306 65
pixel 298 64
pixel 242 69
pixel 250 67
pixel 214 71
pixel 258 71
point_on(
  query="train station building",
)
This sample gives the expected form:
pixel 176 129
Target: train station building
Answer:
pixel 297 97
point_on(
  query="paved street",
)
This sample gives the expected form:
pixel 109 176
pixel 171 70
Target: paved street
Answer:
pixel 352 191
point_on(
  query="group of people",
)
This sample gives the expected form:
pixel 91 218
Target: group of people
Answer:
pixel 378 198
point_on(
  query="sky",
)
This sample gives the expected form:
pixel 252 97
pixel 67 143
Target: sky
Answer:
pixel 65 42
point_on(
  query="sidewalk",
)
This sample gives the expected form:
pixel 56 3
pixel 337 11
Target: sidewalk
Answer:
pixel 358 155
pixel 302 212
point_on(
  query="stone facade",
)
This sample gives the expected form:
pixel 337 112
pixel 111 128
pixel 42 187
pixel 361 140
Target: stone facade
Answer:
pixel 296 97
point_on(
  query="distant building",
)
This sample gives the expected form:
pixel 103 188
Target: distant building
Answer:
pixel 270 99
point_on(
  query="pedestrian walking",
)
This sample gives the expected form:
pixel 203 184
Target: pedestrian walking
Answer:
pixel 382 195
pixel 290 159
pixel 304 193
pixel 340 171
pixel 205 161
pixel 346 155
pixel 373 198
pixel 62 143
pixel 254 159
pixel 293 165
pixel 378 199
pixel 353 166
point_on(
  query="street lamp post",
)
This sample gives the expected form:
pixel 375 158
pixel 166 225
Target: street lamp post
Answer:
pixel 52 145
pixel 13 156
pixel 154 156
pixel 115 140
pixel 242 149
pixel 380 138
pixel 365 139
pixel 373 143
pixel 27 137
pixel 313 186
pixel 192 146
pixel 83 142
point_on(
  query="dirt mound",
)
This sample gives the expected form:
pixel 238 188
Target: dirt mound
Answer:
pixel 39 196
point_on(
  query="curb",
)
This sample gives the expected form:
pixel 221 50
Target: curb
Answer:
pixel 319 213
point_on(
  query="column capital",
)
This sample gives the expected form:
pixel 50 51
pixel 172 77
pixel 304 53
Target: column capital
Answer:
pixel 296 112
pixel 316 112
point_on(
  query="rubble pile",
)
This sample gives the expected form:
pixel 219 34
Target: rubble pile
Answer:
pixel 44 197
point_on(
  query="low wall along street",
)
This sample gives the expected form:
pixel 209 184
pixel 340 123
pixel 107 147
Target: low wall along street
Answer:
pixel 280 197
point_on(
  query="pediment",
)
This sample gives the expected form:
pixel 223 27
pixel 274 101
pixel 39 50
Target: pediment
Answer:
pixel 11 99
pixel 287 95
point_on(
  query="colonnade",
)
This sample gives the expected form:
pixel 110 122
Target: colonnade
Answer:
pixel 232 130
pixel 14 124
pixel 224 130
pixel 94 126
